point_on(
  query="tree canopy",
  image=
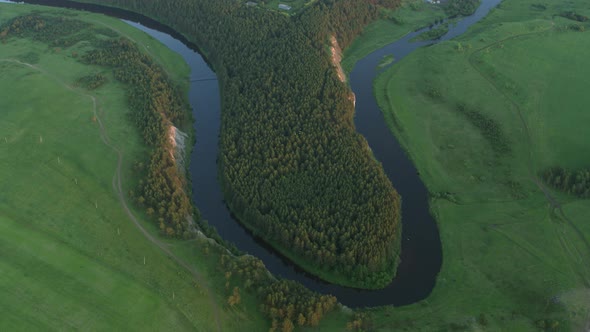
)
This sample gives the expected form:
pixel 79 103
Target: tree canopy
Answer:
pixel 292 166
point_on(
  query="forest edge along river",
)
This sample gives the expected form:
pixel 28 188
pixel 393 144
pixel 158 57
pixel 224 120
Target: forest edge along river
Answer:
pixel 421 255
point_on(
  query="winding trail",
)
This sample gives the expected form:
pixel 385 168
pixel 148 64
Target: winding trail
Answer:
pixel 117 186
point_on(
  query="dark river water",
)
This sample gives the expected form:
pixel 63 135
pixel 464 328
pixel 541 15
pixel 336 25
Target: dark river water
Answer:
pixel 421 256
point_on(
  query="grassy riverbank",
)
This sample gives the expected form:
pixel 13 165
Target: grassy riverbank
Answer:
pixel 480 116
pixel 71 256
pixel 393 25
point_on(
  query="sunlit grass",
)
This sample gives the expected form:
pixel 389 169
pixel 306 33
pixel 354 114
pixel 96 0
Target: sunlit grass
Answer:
pixel 510 261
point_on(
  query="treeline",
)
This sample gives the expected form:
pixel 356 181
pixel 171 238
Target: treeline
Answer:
pixel 461 7
pixel 488 127
pixel 288 304
pixel 156 104
pixel 154 100
pixel 574 16
pixel 292 166
pixel 346 19
pixel 573 182
pixel 92 81
pixel 54 31
pixel 211 232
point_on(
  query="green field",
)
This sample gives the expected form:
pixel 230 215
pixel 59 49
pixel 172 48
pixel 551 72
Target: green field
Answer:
pixel 393 25
pixel 480 117
pixel 72 258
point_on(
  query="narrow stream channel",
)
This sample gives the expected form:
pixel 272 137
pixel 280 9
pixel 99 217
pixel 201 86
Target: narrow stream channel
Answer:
pixel 421 248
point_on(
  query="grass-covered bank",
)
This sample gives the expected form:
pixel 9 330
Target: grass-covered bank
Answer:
pixel 393 24
pixel 71 256
pixel 481 116
pixel 412 15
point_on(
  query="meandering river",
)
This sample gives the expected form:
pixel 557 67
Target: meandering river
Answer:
pixel 421 256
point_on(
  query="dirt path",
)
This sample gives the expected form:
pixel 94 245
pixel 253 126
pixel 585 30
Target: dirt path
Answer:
pixel 117 186
pixel 198 277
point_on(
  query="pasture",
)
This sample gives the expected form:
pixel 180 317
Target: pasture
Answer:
pixel 481 116
pixel 71 256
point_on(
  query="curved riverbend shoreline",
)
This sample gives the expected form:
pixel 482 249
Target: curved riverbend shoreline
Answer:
pixel 421 248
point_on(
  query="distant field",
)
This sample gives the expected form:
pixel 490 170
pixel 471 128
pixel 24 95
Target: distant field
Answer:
pixel 481 116
pixel 413 14
pixel 70 256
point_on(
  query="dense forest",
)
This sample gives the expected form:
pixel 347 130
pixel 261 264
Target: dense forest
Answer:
pixel 292 166
pixel 155 103
pixel 573 182
pixel 288 304
pixel 54 31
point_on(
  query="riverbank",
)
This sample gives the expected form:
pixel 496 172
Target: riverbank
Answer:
pixel 480 116
pixel 408 318
pixel 275 191
pixel 413 284
pixel 393 25
pixel 76 259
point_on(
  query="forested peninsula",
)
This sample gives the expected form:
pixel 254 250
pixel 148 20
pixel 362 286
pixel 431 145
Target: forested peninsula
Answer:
pixel 292 166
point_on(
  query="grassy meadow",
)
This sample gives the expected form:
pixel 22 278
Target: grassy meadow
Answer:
pixel 394 24
pixel 71 258
pixel 480 116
